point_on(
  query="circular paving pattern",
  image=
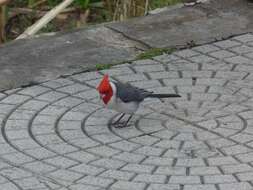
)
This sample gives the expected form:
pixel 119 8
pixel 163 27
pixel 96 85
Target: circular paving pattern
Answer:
pixel 58 136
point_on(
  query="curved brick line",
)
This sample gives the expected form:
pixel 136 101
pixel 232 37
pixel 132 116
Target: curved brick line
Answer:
pixel 30 126
pixel 39 175
pixel 58 132
pixel 5 136
pixel 200 127
pixel 110 127
pixel 245 124
pixel 84 130
pixel 17 149
pixel 12 182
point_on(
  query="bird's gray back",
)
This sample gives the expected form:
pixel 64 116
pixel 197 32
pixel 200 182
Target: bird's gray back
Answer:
pixel 128 93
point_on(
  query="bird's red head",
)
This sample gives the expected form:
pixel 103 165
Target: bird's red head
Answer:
pixel 105 89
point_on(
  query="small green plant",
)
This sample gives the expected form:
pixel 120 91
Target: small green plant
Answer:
pixel 155 52
pixel 103 66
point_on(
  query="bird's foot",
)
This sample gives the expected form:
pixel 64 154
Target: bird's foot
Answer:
pixel 121 125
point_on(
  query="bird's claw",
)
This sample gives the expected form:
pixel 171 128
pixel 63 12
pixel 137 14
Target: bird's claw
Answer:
pixel 121 125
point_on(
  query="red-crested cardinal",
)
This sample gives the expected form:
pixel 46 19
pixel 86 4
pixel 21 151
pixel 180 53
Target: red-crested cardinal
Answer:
pixel 125 98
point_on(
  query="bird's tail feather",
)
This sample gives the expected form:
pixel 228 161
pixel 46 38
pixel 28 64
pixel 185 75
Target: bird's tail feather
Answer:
pixel 164 95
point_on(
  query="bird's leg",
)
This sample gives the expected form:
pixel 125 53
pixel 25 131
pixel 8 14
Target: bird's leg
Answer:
pixel 122 115
pixel 125 124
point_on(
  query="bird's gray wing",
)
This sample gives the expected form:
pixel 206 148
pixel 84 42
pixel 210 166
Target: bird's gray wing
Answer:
pixel 128 93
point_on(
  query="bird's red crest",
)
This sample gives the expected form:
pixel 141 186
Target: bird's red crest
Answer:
pixel 105 89
pixel 104 85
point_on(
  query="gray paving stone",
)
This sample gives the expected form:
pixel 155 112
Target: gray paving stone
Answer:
pixel 51 96
pixel 83 157
pixel 108 163
pixel 15 99
pixel 138 168
pixel 60 161
pixel 199 187
pixel 163 187
pixel 222 54
pixel 158 161
pixel 149 151
pixel 164 75
pixel 204 171
pixel 201 59
pixel 104 151
pixel 132 77
pixel 177 82
pixel 236 186
pixel 244 38
pixel 227 44
pixel 18 158
pixel 236 149
pixel 217 179
pixel 40 153
pixel 186 53
pixel 126 185
pixel 171 170
pixel 30 183
pixel 97 181
pixel 249 55
pixel 166 58
pixel 247 157
pixel 72 89
pixel 242 49
pixel 125 145
pixel 118 71
pixel 34 91
pixel 238 60
pixel 9 186
pixel 149 68
pixel 144 62
pixel 190 162
pixel 118 175
pixel 145 140
pixel 230 169
pixel 206 48
pixel 15 173
pixel 130 157
pixel 87 76
pixel 149 178
pixel 222 161
pixel 245 176
pixel 65 175
pixel 184 179
pixel 57 83
pixel 39 167
pixel 83 187
pixel 146 84
pixel 168 144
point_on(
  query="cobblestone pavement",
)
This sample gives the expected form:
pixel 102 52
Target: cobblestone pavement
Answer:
pixel 57 136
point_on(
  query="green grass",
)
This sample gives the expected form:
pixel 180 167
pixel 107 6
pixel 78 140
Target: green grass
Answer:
pixel 145 55
pixel 154 52
pixel 103 66
pixel 163 3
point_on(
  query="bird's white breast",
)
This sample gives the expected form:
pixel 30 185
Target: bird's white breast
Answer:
pixel 120 106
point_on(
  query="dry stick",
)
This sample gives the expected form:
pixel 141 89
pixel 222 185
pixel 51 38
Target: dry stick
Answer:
pixel 146 7
pixel 45 19
pixel 4 2
pixel 2 23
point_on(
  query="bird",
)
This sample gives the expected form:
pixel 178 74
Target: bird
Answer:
pixel 124 98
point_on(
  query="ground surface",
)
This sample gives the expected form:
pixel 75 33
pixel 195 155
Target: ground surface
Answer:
pixel 57 136
pixel 31 61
